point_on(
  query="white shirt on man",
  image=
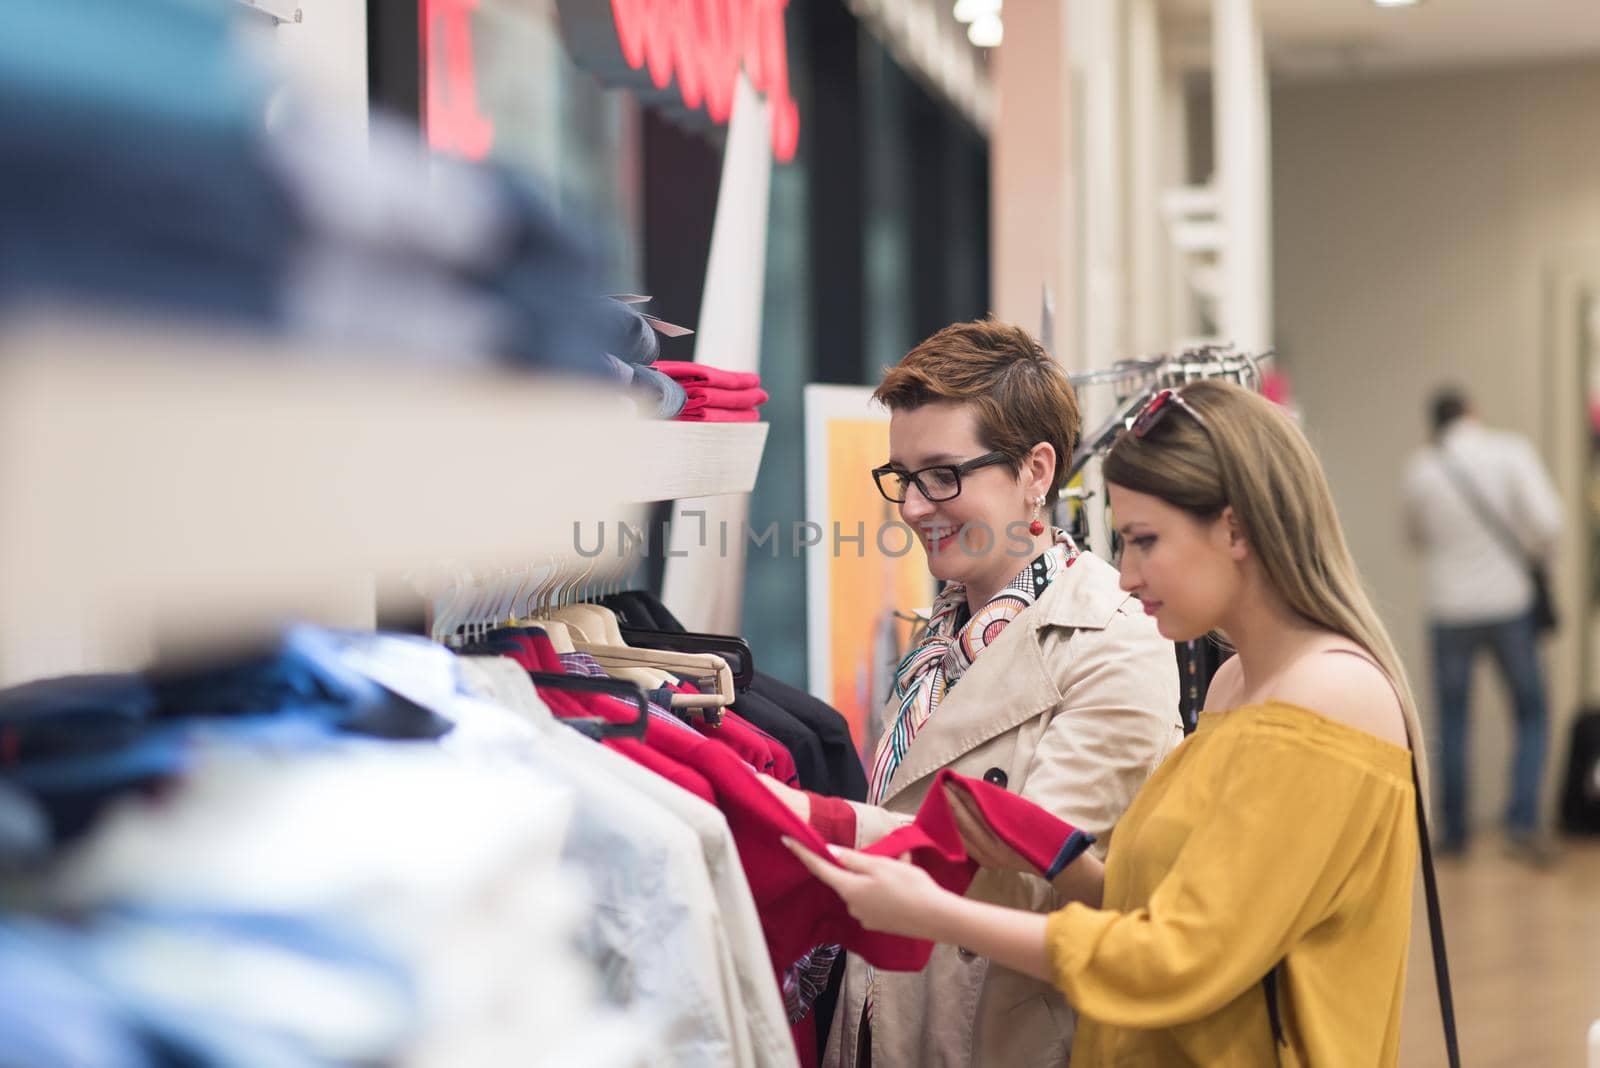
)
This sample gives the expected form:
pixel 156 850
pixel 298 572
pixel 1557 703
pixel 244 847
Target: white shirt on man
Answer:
pixel 1472 576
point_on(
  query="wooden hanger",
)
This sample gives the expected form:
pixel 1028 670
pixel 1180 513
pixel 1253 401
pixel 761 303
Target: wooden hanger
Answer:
pixel 594 631
pixel 703 669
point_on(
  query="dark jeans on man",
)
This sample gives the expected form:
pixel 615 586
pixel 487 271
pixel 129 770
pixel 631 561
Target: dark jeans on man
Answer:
pixel 1514 645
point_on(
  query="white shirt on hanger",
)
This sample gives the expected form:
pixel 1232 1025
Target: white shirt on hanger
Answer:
pixel 752 999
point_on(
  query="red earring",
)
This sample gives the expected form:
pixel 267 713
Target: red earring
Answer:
pixel 1037 526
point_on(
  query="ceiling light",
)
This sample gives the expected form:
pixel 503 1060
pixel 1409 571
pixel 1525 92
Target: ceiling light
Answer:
pixel 1397 3
pixel 986 32
pixel 973 10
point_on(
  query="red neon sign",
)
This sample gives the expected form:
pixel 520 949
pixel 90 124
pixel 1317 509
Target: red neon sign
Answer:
pixel 704 44
pixel 700 44
pixel 452 118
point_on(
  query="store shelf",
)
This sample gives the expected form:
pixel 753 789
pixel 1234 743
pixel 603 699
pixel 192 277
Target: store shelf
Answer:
pixel 170 479
pixel 681 460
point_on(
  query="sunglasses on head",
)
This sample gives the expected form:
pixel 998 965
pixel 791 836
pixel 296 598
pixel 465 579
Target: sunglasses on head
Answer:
pixel 1159 405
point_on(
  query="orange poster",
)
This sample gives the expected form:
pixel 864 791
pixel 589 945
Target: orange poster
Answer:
pixel 867 578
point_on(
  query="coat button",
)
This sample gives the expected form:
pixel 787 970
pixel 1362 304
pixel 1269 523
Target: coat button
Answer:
pixel 995 777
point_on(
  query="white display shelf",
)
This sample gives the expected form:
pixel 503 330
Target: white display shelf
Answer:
pixel 679 460
pixel 161 480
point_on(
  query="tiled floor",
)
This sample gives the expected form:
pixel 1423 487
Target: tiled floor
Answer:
pixel 1524 950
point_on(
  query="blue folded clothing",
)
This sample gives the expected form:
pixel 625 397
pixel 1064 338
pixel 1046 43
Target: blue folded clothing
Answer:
pixel 74 745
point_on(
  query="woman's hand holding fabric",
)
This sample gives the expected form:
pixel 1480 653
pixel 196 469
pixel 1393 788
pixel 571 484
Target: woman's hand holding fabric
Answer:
pixel 981 843
pixel 893 896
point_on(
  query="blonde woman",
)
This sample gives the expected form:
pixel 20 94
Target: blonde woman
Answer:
pixel 1279 841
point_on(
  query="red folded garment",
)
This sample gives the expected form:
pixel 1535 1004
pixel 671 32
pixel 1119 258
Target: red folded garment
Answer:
pixel 702 374
pixel 712 397
pixel 1040 837
pixel 934 842
pixel 719 415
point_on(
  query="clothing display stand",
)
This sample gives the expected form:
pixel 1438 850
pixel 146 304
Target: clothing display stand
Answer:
pixel 203 486
pixel 1135 381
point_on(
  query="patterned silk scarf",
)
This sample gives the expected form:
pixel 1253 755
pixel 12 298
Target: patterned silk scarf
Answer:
pixel 947 649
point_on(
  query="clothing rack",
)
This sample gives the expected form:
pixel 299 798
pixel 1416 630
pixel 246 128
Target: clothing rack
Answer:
pixel 1135 381
pixel 1206 361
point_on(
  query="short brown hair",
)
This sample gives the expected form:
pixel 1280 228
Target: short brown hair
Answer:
pixel 1021 395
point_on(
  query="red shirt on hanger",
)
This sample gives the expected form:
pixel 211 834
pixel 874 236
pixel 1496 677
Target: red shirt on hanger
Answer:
pixel 540 655
pixel 797 911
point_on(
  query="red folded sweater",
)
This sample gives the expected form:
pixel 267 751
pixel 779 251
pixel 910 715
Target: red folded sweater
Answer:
pixel 701 374
pixel 719 415
pixel 712 397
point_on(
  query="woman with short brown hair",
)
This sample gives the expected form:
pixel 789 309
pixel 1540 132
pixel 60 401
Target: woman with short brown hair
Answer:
pixel 1036 674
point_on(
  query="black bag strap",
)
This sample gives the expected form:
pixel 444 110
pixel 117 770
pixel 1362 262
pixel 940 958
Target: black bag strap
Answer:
pixel 1491 519
pixel 1441 965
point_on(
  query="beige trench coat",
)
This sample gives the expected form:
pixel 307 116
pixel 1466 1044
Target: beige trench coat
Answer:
pixel 1072 707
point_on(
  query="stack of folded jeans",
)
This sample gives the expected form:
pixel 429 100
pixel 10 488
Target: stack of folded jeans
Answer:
pixel 631 348
pixel 714 395
pixel 143 180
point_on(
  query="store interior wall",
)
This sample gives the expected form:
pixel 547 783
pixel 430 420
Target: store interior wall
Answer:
pixel 1033 177
pixel 1417 225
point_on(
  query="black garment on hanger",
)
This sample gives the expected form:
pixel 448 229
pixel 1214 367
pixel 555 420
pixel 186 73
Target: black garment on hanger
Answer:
pixel 845 773
pixel 802 743
pixel 635 608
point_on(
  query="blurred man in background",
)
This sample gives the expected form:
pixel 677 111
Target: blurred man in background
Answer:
pixel 1484 515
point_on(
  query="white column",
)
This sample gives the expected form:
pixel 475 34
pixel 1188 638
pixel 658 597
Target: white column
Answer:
pixel 1239 88
pixel 1179 320
pixel 1147 248
pixel 1032 178
pixel 1099 40
pixel 1098 36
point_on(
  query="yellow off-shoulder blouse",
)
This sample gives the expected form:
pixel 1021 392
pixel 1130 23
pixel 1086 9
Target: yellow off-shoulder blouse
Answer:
pixel 1271 834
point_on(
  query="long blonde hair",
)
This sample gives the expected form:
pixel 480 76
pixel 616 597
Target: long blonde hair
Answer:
pixel 1251 455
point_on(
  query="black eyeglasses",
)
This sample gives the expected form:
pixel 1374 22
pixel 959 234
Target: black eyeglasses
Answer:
pixel 941 482
pixel 1159 405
